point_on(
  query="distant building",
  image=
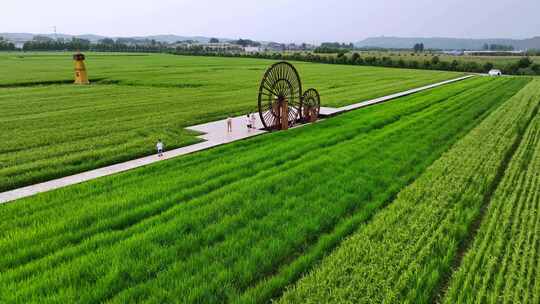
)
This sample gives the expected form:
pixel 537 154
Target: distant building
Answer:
pixel 208 47
pixel 220 46
pixel 454 53
pixel 18 44
pixel 495 72
pixel 274 47
pixel 293 47
pixel 252 49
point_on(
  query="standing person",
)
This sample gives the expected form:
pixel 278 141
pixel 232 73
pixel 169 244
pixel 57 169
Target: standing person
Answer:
pixel 248 122
pixel 159 147
pixel 229 124
pixel 253 121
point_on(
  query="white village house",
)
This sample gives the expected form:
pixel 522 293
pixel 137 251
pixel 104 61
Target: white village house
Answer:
pixel 252 49
pixel 495 72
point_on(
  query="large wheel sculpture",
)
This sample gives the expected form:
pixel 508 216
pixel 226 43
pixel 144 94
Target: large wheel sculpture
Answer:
pixel 280 97
pixel 311 105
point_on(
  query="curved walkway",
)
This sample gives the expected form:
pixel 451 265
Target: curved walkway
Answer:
pixel 214 134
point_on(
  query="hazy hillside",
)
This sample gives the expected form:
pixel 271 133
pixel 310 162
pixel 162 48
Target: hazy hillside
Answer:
pixel 447 43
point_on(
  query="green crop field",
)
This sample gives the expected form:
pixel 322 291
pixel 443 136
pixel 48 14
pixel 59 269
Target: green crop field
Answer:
pixel 498 61
pixel 51 128
pixel 430 198
pixel 241 222
pixel 404 254
pixel 503 264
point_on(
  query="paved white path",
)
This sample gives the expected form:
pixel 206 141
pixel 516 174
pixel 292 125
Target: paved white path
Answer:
pixel 214 133
pixel 325 111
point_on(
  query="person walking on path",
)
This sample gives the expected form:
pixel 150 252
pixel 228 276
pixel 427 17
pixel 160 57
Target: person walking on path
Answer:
pixel 248 123
pixel 253 121
pixel 229 124
pixel 159 147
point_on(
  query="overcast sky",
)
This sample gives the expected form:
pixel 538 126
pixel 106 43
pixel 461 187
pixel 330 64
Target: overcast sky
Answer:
pixel 277 20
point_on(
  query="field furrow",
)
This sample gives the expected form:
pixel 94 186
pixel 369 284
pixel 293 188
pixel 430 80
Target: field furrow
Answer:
pixel 406 251
pixel 501 266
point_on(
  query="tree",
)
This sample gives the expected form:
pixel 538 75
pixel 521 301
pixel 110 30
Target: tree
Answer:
pixel 524 62
pixel 454 65
pixel 488 66
pixel 472 67
pixel 414 64
pixel 107 41
pixel 80 44
pixel 355 57
pixel 214 40
pixel 6 45
pixel 435 60
pixel 246 42
pixel 341 58
pixel 39 38
pixel 443 65
pixel 536 68
pixel 418 47
pixel 511 68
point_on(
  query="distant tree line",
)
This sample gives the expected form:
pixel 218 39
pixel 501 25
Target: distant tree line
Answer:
pixel 524 66
pixel 199 49
pixel 6 45
pixel 326 53
pixel 43 43
pixel 246 42
pixel 533 52
pixel 334 47
pixel 104 45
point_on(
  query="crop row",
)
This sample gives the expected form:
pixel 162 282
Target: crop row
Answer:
pixel 235 223
pixel 406 251
pixel 502 265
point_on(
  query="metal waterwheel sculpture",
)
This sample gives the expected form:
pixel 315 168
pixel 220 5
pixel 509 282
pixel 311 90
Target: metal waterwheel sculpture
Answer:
pixel 280 97
pixel 311 105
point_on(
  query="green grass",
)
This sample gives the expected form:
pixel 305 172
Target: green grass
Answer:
pixel 50 131
pixel 502 265
pixel 236 223
pixel 406 251
pixel 224 80
pixel 496 60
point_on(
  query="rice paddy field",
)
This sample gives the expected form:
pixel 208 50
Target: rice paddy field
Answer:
pixel 51 128
pixel 429 198
pixel 406 253
pixel 498 61
pixel 245 222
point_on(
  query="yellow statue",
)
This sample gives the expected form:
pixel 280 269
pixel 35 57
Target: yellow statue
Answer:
pixel 81 76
